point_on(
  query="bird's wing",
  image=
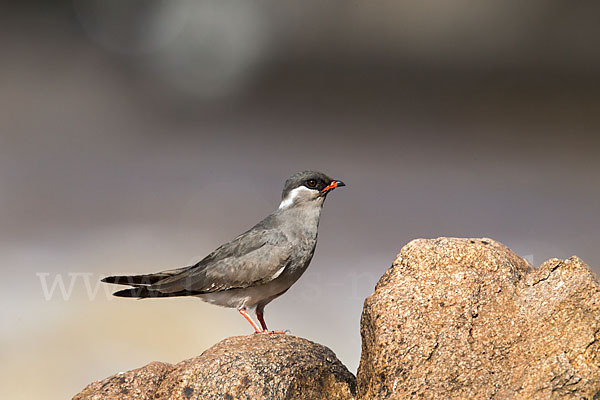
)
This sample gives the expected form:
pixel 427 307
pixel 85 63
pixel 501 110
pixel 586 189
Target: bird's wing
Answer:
pixel 253 258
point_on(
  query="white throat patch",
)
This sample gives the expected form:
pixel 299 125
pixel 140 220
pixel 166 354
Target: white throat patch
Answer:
pixel 289 199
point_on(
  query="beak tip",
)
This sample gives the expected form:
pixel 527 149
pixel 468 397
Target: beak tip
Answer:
pixel 340 183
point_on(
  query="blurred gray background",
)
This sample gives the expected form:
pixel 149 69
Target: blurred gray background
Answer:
pixel 139 135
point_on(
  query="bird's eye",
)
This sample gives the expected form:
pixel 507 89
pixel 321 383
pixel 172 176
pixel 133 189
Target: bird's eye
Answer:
pixel 311 183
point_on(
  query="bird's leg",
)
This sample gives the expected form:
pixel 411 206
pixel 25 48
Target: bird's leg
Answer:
pixel 243 311
pixel 261 319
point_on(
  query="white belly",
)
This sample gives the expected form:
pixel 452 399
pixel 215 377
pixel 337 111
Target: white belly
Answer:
pixel 248 297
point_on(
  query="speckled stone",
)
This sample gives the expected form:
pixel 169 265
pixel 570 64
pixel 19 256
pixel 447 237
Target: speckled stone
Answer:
pixel 469 319
pixel 242 367
pixel 139 384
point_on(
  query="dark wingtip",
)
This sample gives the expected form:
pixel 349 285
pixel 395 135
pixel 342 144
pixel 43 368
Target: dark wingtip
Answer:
pixel 135 280
pixel 127 280
pixel 119 280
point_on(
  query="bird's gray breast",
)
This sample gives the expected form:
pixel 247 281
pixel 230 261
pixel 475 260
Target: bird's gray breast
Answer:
pixel 300 225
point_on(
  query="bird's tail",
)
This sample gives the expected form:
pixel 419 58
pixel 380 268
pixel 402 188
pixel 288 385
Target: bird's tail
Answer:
pixel 142 284
pixel 143 293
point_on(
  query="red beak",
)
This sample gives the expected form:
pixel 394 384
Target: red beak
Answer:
pixel 332 186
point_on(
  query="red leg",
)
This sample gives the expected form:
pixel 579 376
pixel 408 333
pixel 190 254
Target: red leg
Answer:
pixel 261 319
pixel 243 311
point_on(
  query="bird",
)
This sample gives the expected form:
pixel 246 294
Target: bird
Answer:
pixel 257 266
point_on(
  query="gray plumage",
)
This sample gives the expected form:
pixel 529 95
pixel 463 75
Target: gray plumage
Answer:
pixel 258 265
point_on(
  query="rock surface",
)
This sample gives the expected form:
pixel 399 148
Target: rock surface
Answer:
pixel 467 318
pixel 139 383
pixel 242 367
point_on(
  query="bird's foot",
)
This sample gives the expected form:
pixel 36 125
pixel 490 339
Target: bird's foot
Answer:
pixel 277 332
pixel 268 332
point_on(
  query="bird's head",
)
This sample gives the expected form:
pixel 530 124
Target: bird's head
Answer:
pixel 307 187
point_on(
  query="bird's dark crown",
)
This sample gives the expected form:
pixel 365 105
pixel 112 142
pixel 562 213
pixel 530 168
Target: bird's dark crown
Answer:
pixel 311 179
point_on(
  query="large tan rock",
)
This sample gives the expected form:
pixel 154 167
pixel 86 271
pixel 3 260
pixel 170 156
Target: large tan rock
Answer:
pixel 469 319
pixel 139 383
pixel 243 367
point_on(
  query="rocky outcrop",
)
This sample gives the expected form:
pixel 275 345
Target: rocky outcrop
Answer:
pixel 141 383
pixel 469 319
pixel 451 319
pixel 243 367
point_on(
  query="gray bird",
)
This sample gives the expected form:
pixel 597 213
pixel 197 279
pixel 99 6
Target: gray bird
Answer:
pixel 255 267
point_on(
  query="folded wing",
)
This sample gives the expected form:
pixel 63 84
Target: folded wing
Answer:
pixel 253 258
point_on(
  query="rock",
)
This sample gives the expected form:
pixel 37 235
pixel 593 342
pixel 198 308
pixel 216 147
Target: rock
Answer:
pixel 467 318
pixel 242 367
pixel 139 383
